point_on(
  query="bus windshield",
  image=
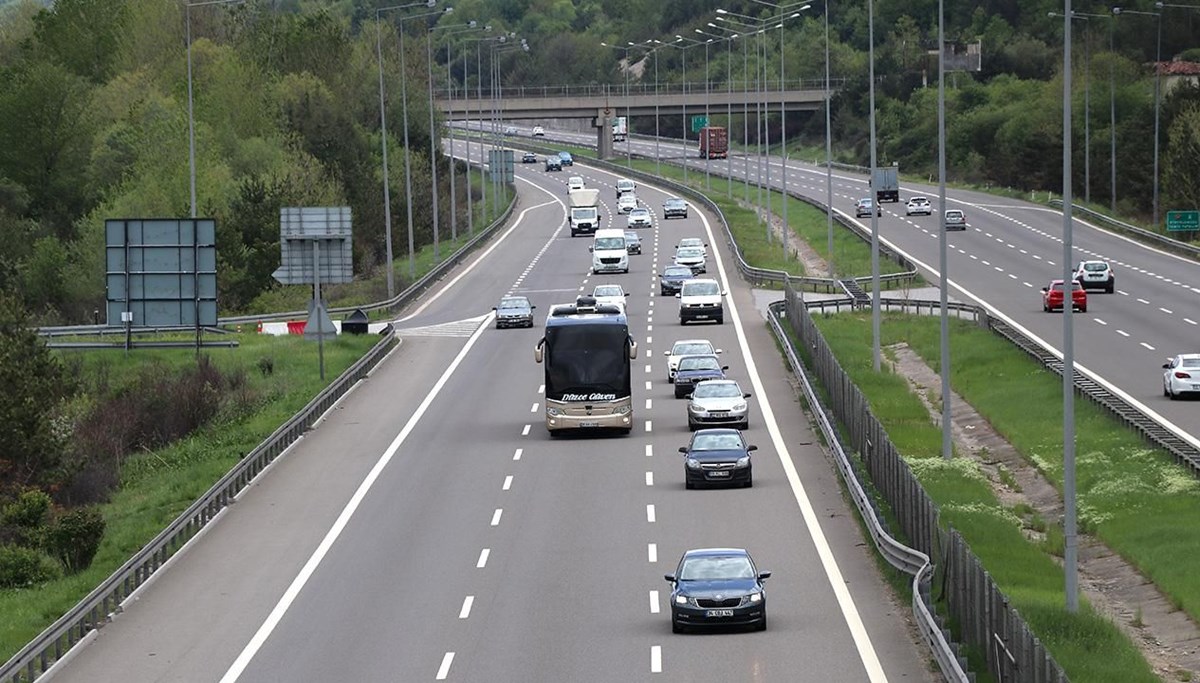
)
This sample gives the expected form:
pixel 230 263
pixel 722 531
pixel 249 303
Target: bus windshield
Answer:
pixel 587 362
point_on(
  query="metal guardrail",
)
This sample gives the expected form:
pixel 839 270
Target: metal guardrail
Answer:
pixel 106 599
pixel 1133 230
pixel 908 560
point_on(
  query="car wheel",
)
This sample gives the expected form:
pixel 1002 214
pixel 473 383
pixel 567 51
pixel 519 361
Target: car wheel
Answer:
pixel 1170 394
pixel 682 320
pixel 1166 391
pixel 749 482
pixel 689 486
pixel 1111 286
pixel 1083 309
pixel 721 320
pixel 677 393
pixel 691 426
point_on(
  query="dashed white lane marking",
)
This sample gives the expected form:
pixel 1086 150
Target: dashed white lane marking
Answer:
pixel 541 388
pixel 1142 301
pixel 656 659
pixel 649 340
pixel 649 426
pixel 649 450
pixel 518 453
pixel 507 483
pixel 534 408
pixel 525 431
pixel 466 608
pixel 496 516
pixel 649 328
pixel 1151 348
pixel 483 558
pixel 1189 321
pixel 654 607
pixel 649 479
pixel 650 515
pixel 648 403
pixel 444 669
pixel 648 369
pixel 1123 333
pixel 649 385
pixel 652 552
pixel 1099 321
pixel 1167 311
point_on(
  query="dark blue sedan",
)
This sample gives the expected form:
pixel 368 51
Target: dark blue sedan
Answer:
pixel 566 158
pixel 671 280
pixel 717 456
pixel 695 369
pixel 717 587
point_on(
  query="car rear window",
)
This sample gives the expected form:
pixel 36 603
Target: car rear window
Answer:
pixel 1095 267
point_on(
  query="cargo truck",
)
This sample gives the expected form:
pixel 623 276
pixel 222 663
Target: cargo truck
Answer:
pixel 886 184
pixel 714 142
pixel 585 211
pixel 620 129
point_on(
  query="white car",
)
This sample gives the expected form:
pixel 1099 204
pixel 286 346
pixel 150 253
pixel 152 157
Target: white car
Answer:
pixel 918 205
pixel 701 299
pixel 955 219
pixel 510 130
pixel 626 203
pixel 692 257
pixel 692 243
pixel 538 132
pixel 639 218
pixel 610 294
pixel 1182 376
pixel 718 403
pixel 625 186
pixel 1096 275
pixel 687 347
pixel 574 183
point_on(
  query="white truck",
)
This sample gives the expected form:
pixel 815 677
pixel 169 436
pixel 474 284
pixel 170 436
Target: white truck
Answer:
pixel 585 211
pixel 620 129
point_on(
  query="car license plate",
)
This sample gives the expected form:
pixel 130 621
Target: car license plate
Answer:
pixel 589 424
pixel 719 414
pixel 719 473
pixel 719 613
pixel 701 315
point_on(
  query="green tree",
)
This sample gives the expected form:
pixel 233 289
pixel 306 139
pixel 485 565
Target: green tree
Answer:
pixel 1181 161
pixel 83 35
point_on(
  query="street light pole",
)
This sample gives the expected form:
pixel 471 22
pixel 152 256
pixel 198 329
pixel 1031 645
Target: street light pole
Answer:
pixel 1157 96
pixel 828 150
pixel 1070 538
pixel 875 302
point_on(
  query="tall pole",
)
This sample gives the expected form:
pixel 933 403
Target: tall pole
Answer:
pixel 657 155
pixel 628 147
pixel 383 143
pixel 685 118
pixel 483 181
pixel 783 197
pixel 746 119
pixel 1087 114
pixel 191 117
pixel 707 120
pixel 450 131
pixel 1112 120
pixel 729 114
pixel 1157 111
pixel 1070 563
pixel 943 260
pixel 435 147
pixel 766 109
pixel 828 151
pixel 408 198
pixel 875 321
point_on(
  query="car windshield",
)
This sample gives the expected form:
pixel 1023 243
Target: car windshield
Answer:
pixel 639 213
pixel 717 390
pixel 692 349
pixel 864 202
pixel 608 290
pixel 603 243
pixel 514 302
pixel 918 200
pixel 1095 267
pixel 632 237
pixel 701 289
pixel 954 215
pixel 677 271
pixel 690 242
pixel 698 363
pixel 675 203
pixel 710 568
pixel 689 252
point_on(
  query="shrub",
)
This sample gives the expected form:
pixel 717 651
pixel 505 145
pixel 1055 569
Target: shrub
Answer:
pixel 24 520
pixel 75 538
pixel 21 567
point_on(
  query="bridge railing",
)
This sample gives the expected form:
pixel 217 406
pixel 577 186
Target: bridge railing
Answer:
pixel 640 88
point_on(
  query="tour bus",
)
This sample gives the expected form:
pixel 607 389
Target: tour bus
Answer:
pixel 587 354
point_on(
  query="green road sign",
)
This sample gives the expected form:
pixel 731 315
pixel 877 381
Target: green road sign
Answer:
pixel 699 122
pixel 1183 221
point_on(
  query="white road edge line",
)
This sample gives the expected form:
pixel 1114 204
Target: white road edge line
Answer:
pixel 289 596
pixel 862 640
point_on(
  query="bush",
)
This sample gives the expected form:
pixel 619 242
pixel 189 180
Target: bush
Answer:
pixel 75 538
pixel 24 520
pixel 21 567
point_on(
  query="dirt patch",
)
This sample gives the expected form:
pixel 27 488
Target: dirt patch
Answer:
pixel 1166 636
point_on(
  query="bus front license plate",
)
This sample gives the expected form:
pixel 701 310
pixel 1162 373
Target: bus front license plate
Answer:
pixel 589 424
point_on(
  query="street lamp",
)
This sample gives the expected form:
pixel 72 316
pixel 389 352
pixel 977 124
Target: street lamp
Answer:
pixel 498 93
pixel 705 43
pixel 625 52
pixel 435 141
pixel 383 141
pixel 657 154
pixel 453 196
pixel 1112 96
pixel 471 26
pixel 1157 89
pixel 728 39
pixel 191 117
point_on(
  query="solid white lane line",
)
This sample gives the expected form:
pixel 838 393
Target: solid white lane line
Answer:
pixel 525 431
pixel 496 516
pixel 444 669
pixel 654 606
pixel 466 608
pixel 833 573
pixel 649 479
pixel 507 483
pixel 293 591
pixel 656 659
pixel 517 454
pixel 649 450
pixel 483 558
pixel 650 513
pixel 652 552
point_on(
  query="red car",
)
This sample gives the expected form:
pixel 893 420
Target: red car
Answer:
pixel 1052 296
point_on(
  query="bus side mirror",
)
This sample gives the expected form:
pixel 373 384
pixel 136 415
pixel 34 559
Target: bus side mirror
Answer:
pixel 632 350
pixel 537 352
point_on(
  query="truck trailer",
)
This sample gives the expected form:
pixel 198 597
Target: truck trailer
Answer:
pixel 714 142
pixel 885 182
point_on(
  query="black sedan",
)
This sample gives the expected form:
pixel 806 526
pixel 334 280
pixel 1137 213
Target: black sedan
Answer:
pixel 514 311
pixel 717 456
pixel 717 587
pixel 671 280
pixel 528 158
pixel 674 207
pixel 694 369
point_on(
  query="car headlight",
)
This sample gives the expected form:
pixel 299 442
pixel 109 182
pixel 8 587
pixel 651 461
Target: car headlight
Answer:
pixel 756 597
pixel 693 464
pixel 552 412
pixel 738 407
pixel 743 461
pixel 698 410
pixel 623 410
pixel 681 600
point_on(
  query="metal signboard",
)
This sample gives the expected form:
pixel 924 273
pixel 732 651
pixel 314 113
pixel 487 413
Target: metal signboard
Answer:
pixel 699 122
pixel 299 228
pixel 1183 221
pixel 501 161
pixel 160 272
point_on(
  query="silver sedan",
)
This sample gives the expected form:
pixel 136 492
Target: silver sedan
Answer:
pixel 717 402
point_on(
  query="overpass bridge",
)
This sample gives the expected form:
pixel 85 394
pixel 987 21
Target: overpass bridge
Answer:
pixel 601 103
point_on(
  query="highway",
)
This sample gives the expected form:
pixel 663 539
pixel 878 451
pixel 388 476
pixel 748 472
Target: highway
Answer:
pixel 1012 249
pixel 430 529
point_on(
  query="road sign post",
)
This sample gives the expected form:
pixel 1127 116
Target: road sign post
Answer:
pixel 1183 221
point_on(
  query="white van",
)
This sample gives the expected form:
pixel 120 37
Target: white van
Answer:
pixel 625 185
pixel 609 254
pixel 701 299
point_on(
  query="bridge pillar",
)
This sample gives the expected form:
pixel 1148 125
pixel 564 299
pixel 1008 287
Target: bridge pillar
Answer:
pixel 603 124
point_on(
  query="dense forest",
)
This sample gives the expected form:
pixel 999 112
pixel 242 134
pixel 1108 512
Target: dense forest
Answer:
pixel 93 108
